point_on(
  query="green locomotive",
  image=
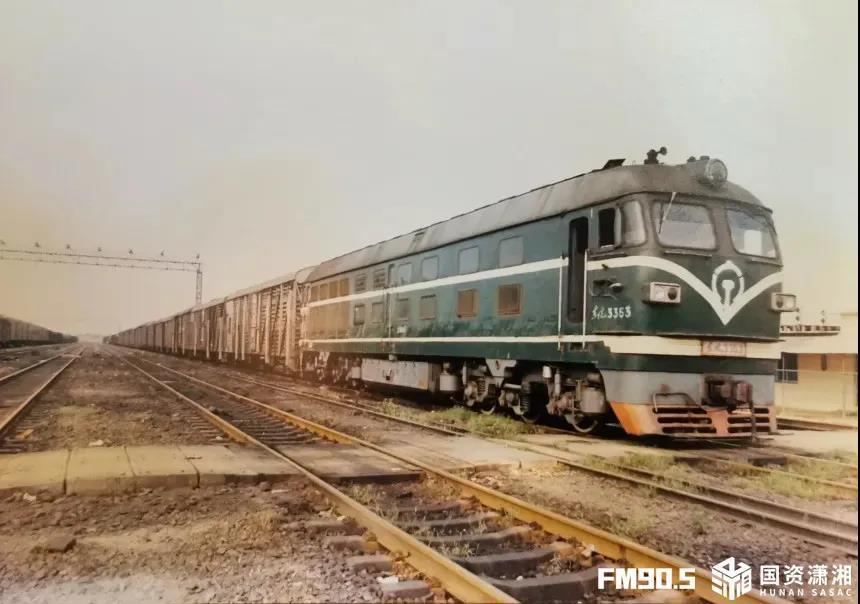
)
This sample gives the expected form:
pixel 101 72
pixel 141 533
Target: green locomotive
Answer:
pixel 645 295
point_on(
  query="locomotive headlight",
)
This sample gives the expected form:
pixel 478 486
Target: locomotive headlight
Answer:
pixel 783 302
pixel 663 293
pixel 712 172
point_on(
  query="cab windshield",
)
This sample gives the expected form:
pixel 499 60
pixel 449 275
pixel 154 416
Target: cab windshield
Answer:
pixel 752 234
pixel 684 225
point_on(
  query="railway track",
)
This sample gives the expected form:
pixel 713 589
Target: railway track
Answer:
pixel 808 525
pixel 20 390
pixel 804 423
pixel 355 404
pixel 38 348
pixel 481 530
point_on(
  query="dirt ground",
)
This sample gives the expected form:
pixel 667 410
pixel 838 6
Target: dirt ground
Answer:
pixel 100 399
pixel 226 544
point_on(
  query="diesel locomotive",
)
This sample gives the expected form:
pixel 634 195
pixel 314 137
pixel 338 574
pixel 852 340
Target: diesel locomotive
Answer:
pixel 644 295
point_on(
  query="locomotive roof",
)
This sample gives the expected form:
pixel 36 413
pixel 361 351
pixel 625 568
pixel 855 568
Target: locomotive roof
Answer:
pixel 549 200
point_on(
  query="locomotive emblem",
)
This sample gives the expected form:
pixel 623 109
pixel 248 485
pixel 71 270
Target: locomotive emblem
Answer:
pixel 727 289
pixel 727 293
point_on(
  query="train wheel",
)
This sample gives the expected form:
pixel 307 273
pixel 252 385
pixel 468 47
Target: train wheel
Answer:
pixel 488 406
pixel 582 423
pixel 532 402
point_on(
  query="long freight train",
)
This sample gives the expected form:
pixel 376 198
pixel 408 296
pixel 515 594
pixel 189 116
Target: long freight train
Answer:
pixel 14 332
pixel 644 295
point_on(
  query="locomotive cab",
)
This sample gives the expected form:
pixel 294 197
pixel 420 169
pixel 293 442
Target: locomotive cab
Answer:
pixel 680 288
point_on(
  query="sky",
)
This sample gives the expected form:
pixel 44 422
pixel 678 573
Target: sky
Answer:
pixel 268 136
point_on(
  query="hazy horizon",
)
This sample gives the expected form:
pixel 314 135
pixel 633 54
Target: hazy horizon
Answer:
pixel 269 136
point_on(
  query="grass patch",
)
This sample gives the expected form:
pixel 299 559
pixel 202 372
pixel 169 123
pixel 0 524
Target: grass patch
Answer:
pixel 819 469
pixel 841 455
pixel 645 461
pixel 782 484
pixel 497 426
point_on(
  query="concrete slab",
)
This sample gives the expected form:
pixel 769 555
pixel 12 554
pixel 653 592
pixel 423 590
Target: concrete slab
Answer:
pixel 264 465
pixel 592 446
pixel 161 466
pixel 342 463
pixel 465 452
pixel 99 470
pixel 43 471
pixel 815 442
pixel 217 465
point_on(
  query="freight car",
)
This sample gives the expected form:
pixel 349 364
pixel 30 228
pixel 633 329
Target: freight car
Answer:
pixel 258 325
pixel 14 332
pixel 645 295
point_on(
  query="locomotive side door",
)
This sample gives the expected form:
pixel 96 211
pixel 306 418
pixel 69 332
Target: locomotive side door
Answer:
pixel 577 254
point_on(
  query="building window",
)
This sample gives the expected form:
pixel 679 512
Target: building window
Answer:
pixel 510 251
pixel 404 274
pixel 468 260
pixel 324 291
pixel 430 268
pixel 315 293
pixel 401 309
pixel 427 307
pixel 376 312
pixel 510 299
pixel 786 371
pixel 467 303
pixel 379 278
pixel 360 283
pixel 343 287
pixel 358 314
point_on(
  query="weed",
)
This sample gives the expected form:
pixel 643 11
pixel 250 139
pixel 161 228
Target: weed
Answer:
pixel 497 426
pixel 819 469
pixel 784 484
pixel 654 463
pixel 699 523
pixel 633 527
pixel 456 550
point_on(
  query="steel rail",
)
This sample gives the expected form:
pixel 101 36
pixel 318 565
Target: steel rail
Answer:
pixel 850 490
pixel 826 531
pixel 831 532
pixel 802 423
pixel 10 419
pixel 458 581
pixel 605 543
pixel 30 367
pixel 844 488
pixel 30 348
pixel 355 406
pixel 810 458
